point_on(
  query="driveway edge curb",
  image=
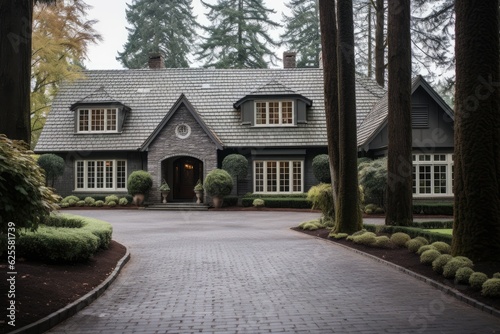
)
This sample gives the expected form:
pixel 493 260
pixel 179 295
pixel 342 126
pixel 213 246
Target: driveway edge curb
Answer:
pixel 69 310
pixel 443 288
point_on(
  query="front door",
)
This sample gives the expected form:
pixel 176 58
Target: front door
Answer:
pixel 187 171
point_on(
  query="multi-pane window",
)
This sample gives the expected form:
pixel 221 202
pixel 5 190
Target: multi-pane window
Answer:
pixel 278 176
pixel 432 174
pixel 97 120
pixel 101 175
pixel 274 113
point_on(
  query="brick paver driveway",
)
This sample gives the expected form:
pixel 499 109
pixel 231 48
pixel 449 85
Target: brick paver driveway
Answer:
pixel 246 272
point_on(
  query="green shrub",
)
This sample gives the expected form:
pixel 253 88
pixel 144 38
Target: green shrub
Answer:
pixel 491 288
pixel 373 179
pixel 400 239
pixel 433 208
pixel 338 235
pixel 276 202
pixel 64 205
pixel 371 207
pixel 53 165
pixel 463 274
pixel 439 263
pixel 111 204
pixel 413 245
pixel 422 240
pixel 321 168
pixel 236 165
pixel 442 247
pixel 383 242
pixel 368 211
pixel 477 279
pixel 433 224
pixel 411 231
pixel 111 198
pixel 379 210
pixel 321 198
pixel 80 203
pixel 258 203
pixel 218 183
pixel 311 225
pixel 424 248
pixel 57 220
pixel 99 203
pixel 230 201
pixel 367 238
pixel 429 256
pixel 89 201
pixel 72 198
pixel 496 275
pixel 450 269
pixel 139 182
pixel 123 201
pixel 72 202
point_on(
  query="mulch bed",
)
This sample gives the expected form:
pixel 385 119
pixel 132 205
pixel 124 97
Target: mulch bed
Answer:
pixel 42 289
pixel 411 261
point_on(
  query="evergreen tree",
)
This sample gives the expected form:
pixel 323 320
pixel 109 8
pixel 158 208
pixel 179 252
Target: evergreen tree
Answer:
pixel 237 36
pixel 302 31
pixel 160 26
pixel 476 228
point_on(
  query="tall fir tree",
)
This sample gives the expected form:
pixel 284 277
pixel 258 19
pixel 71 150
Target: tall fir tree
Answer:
pixel 302 32
pixel 166 27
pixel 238 35
pixel 476 227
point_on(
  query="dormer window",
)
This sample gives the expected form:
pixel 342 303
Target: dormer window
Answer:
pixel 271 113
pixel 101 120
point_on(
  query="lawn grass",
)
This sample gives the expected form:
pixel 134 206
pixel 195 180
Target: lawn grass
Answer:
pixel 447 231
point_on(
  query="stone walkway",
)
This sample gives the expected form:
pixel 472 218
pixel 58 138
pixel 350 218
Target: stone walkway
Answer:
pixel 247 272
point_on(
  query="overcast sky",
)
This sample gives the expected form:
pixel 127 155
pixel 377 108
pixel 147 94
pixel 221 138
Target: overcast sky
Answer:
pixel 112 22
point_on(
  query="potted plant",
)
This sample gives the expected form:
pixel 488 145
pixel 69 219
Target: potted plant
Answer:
pixel 198 190
pixel 165 190
pixel 218 184
pixel 138 184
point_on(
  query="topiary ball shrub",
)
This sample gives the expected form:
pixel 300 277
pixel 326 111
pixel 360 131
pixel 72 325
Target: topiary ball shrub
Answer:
pixel 400 239
pixel 321 168
pixel 424 248
pixel 236 165
pixel 450 269
pixel 423 240
pixel 111 198
pixel 218 183
pixel 383 241
pixel 463 274
pixel 99 203
pixel 72 202
pixel 123 201
pixel 442 247
pixel 496 275
pixel 413 245
pixel 338 235
pixel 89 201
pixel 439 263
pixel 139 182
pixel 73 199
pixel 258 203
pixel 53 165
pixel 491 288
pixel 64 205
pixel 429 256
pixel 367 238
pixel 321 197
pixel 80 203
pixel 111 204
pixel 477 279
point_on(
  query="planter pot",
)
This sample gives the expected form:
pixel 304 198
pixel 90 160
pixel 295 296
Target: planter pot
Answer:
pixel 138 199
pixel 217 201
pixel 164 195
pixel 199 197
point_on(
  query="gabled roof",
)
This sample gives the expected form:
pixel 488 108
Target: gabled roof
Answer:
pixel 97 97
pixel 272 88
pixel 182 101
pixel 377 118
pixel 150 94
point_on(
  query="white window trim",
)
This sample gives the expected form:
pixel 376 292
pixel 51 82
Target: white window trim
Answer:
pixel 280 124
pixel 448 162
pixel 278 177
pixel 90 120
pixel 85 176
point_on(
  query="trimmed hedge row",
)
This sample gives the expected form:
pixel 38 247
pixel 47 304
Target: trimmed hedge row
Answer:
pixel 102 197
pixel 275 202
pixel 65 238
pixel 433 224
pixel 433 208
pixel 413 232
pixel 230 201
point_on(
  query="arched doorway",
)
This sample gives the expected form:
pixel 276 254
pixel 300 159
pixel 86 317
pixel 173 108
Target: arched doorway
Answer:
pixel 186 173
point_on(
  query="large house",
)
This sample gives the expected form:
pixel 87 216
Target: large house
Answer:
pixel 179 124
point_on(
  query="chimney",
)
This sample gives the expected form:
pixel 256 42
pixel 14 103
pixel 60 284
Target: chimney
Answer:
pixel 289 59
pixel 156 61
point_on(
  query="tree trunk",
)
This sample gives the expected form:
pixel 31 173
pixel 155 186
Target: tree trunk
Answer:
pixel 399 164
pixel 370 45
pixel 348 215
pixel 476 229
pixel 328 23
pixel 15 68
pixel 379 44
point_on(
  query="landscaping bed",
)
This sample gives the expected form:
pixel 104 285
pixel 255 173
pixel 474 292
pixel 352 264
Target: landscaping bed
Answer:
pixel 411 261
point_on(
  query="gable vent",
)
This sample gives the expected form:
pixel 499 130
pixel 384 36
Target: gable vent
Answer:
pixel 419 117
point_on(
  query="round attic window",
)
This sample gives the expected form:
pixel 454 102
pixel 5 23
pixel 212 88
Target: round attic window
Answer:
pixel 182 131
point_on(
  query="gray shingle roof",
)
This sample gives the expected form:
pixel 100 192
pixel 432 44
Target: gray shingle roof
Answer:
pixel 150 94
